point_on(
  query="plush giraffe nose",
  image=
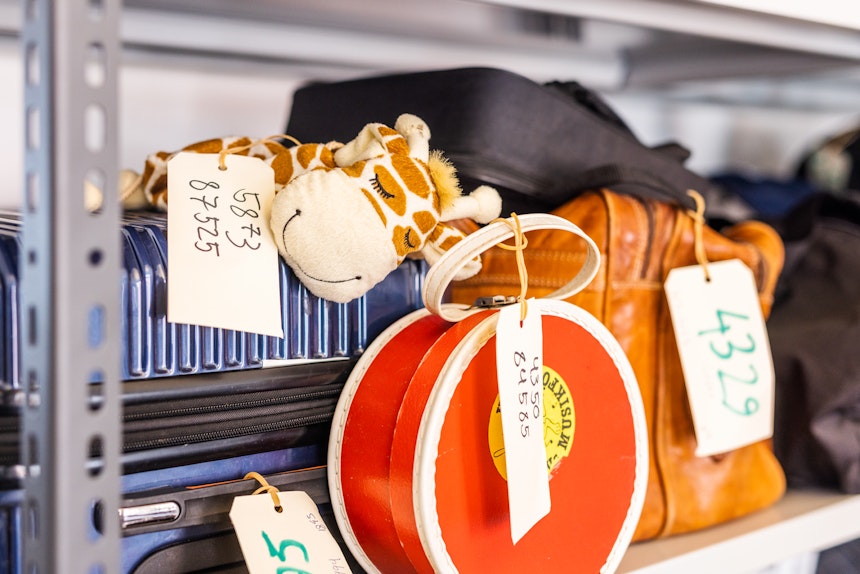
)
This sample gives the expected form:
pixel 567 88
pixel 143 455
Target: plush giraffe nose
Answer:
pixel 331 236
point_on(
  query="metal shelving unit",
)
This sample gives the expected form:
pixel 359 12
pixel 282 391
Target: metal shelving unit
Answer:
pixel 71 52
pixel 70 305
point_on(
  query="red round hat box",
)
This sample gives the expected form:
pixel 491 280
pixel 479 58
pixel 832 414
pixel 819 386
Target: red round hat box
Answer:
pixel 416 463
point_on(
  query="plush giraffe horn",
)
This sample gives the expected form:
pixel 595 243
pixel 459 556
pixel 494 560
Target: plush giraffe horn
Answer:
pixel 483 205
pixel 417 135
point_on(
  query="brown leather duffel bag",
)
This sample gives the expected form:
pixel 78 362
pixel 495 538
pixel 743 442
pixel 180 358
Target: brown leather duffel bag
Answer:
pixel 640 241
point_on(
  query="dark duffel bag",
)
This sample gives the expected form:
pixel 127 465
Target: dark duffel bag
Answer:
pixel 538 144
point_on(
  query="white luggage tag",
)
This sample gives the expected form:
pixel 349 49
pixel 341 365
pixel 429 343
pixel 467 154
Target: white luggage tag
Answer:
pixel 223 263
pixel 725 353
pixel 284 533
pixel 519 372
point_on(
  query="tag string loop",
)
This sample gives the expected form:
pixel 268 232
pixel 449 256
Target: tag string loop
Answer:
pixel 698 217
pixel 520 243
pixel 272 490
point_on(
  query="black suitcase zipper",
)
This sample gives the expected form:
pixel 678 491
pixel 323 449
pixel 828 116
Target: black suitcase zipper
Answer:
pixel 155 426
pixel 206 417
pixel 243 431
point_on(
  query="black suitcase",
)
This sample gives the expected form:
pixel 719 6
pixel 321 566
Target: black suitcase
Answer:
pixel 187 529
pixel 537 144
pixel 183 433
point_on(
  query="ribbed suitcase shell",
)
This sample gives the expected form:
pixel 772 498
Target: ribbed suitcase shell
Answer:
pixel 315 329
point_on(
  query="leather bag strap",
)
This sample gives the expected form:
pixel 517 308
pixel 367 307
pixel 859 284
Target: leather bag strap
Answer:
pixel 443 271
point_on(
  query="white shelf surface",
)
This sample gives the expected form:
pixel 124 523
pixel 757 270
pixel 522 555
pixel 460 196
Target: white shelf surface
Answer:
pixel 802 522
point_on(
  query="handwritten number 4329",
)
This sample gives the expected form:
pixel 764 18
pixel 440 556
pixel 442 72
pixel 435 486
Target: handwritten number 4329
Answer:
pixel 733 346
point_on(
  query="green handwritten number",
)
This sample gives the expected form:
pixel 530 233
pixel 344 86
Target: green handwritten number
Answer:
pixel 723 327
pixel 281 550
pixel 750 407
pixel 750 404
pixel 731 347
pixel 751 380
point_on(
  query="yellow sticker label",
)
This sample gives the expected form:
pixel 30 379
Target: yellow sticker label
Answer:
pixel 559 424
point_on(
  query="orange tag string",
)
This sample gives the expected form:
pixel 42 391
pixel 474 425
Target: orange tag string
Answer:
pixel 698 217
pixel 520 243
pixel 266 487
pixel 222 155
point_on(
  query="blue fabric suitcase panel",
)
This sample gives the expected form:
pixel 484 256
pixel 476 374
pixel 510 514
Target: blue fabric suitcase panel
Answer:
pixel 315 329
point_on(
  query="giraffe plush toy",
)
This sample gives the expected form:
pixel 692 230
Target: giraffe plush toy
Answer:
pixel 345 216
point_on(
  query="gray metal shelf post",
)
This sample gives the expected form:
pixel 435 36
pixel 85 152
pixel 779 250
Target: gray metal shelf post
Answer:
pixel 70 273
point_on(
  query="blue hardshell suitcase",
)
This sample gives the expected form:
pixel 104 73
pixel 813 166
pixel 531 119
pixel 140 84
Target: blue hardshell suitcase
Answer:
pixel 315 329
pixel 202 406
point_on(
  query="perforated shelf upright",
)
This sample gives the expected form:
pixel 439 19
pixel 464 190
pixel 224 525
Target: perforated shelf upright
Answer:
pixel 69 300
pixel 70 256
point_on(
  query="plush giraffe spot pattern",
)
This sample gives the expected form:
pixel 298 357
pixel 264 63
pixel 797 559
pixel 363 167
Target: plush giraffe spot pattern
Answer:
pixel 449 242
pixel 372 201
pixel 404 240
pixel 389 190
pixel 305 154
pixel 425 221
pixel 414 175
pixel 283 166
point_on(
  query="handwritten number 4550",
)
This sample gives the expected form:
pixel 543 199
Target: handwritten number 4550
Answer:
pixel 281 554
pixel 725 349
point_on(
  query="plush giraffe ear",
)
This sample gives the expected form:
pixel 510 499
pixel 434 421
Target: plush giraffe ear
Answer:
pixel 440 240
pixel 410 136
pixel 374 140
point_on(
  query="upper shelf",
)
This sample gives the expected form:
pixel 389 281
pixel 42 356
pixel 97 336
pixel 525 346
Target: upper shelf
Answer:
pixel 706 18
pixel 606 44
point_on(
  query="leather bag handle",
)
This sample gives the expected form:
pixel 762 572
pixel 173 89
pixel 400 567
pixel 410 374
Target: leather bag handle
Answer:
pixel 441 273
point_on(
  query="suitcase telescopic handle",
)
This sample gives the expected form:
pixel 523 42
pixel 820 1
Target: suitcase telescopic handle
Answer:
pixel 442 272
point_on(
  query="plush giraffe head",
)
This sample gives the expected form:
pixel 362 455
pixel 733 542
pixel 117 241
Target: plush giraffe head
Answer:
pixel 342 228
pixel 345 216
